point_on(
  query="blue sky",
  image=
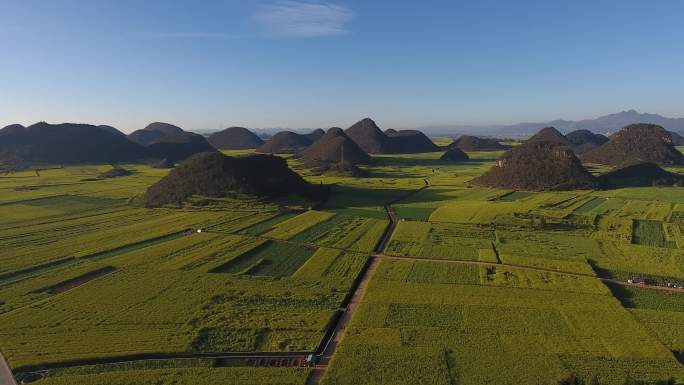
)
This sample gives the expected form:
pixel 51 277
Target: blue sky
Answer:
pixel 212 64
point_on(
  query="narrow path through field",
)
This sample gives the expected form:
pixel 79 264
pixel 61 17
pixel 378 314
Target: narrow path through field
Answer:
pixel 359 289
pixel 6 377
pixel 341 327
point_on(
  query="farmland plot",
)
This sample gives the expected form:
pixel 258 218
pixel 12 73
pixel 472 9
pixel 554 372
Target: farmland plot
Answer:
pixel 652 210
pixel 268 259
pixel 18 293
pixel 638 298
pixel 662 313
pixel 40 210
pixel 441 333
pixel 474 212
pixel 414 212
pixel 293 226
pixel 267 225
pixel 558 250
pixel 77 180
pixel 199 251
pixel 442 241
pixel 613 229
pixel 141 310
pixel 345 232
pixel 331 263
pixel 541 280
pixel 664 325
pixel 624 261
pixel 590 205
pixel 650 233
pixel 85 236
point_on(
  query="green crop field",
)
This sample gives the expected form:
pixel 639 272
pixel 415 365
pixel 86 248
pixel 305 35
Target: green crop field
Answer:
pixel 419 327
pixel 650 233
pixel 268 259
pixel 346 232
pixel 293 226
pixel 167 287
pixel 441 241
pixel 475 286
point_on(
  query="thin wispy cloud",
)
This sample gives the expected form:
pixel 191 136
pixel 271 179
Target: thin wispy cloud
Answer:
pixel 193 35
pixel 292 18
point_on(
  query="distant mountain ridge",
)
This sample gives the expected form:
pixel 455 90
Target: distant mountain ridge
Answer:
pixel 606 125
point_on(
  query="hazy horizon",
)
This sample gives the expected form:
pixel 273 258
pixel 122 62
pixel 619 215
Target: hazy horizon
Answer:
pixel 309 64
pixel 282 127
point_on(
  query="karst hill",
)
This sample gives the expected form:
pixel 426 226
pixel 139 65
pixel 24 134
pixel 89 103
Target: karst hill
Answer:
pixel 285 142
pixel 167 141
pixel 637 143
pixel 216 175
pixel 583 141
pixel 474 143
pixel 372 140
pixel 67 143
pixel 235 138
pixel 538 166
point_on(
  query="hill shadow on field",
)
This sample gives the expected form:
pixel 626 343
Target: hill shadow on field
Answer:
pixel 623 295
pixel 398 174
pixel 679 355
pixel 343 197
pixel 363 197
pixel 407 162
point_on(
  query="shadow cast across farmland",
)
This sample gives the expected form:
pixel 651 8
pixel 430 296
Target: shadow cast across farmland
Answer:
pixel 425 162
pixel 601 272
pixel 403 174
pixel 344 196
pixel 679 355
pixel 623 295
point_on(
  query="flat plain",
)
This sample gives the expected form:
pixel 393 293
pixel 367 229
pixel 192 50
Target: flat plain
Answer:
pixel 476 285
